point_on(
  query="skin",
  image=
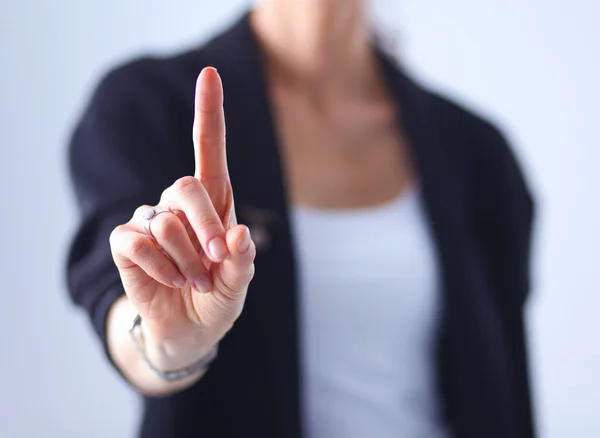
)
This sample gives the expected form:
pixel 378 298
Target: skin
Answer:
pixel 342 148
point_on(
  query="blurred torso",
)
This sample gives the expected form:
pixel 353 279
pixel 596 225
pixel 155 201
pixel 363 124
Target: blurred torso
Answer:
pixel 367 273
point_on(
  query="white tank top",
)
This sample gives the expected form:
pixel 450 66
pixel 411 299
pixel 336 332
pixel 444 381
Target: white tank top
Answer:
pixel 369 305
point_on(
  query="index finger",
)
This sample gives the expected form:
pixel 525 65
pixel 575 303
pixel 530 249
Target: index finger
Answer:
pixel 209 127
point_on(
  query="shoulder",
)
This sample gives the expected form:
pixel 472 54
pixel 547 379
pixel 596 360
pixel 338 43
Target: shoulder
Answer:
pixel 159 74
pixel 471 129
pixel 471 144
pixel 147 78
pixel 483 148
pixel 162 82
pixel 150 91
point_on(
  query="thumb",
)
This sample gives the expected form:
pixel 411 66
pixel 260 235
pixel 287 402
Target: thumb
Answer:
pixel 235 273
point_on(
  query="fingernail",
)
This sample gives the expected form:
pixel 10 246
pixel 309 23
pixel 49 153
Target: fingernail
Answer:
pixel 203 285
pixel 218 249
pixel 179 282
pixel 244 242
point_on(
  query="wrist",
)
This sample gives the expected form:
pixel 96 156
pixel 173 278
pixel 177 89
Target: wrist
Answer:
pixel 173 354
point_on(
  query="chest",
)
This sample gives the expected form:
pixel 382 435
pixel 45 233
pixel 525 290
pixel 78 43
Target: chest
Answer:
pixel 349 155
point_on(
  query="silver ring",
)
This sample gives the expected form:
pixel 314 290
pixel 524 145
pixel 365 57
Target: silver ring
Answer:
pixel 149 214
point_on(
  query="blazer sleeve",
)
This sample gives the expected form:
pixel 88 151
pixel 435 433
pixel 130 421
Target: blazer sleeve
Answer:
pixel 506 212
pixel 506 230
pixel 121 155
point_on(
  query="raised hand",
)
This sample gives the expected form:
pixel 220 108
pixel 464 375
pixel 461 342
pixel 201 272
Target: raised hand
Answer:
pixel 185 263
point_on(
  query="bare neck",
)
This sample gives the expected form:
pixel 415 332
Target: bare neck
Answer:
pixel 323 46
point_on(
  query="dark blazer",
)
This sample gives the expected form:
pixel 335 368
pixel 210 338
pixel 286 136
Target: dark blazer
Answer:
pixel 134 140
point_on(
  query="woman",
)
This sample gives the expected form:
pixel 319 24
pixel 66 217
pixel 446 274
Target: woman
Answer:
pixel 391 240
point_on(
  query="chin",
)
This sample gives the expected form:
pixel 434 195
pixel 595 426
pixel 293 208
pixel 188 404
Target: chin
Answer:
pixel 332 3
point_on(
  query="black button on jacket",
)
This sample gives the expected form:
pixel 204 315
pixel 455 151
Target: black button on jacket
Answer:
pixel 134 140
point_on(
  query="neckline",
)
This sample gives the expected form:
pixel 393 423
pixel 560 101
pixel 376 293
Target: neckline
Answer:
pixel 398 201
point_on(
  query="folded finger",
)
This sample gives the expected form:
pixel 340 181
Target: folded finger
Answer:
pixel 189 195
pixel 171 234
pixel 131 247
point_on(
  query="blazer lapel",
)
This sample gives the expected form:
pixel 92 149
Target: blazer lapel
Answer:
pixel 470 369
pixel 259 188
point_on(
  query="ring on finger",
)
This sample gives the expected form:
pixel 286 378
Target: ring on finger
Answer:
pixel 150 213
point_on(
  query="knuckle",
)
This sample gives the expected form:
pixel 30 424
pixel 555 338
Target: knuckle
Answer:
pixel 166 193
pixel 208 111
pixel 185 185
pixel 139 211
pixel 208 222
pixel 138 247
pixel 165 226
pixel 114 236
pixel 209 140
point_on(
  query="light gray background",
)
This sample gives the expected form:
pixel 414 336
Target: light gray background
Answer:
pixel 532 65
